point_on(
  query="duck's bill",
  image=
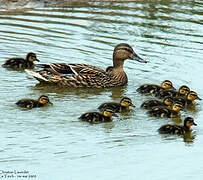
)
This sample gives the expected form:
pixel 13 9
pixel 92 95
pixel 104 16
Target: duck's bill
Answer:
pixel 37 60
pixel 139 59
pixel 132 105
pixel 199 98
pixel 50 103
pixel 194 124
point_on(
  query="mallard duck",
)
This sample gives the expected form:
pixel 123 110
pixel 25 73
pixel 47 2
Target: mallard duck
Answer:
pixel 98 117
pixel 153 88
pixel 161 111
pixel 123 106
pixel 149 104
pixel 20 63
pixel 183 90
pixel 189 100
pixel 32 103
pixel 83 75
pixel 177 129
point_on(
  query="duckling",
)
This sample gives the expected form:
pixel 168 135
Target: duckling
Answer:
pixel 189 100
pixel 123 106
pixel 109 69
pixel 20 63
pixel 177 129
pixel 161 111
pixel 153 89
pixel 98 117
pixel 31 103
pixel 85 75
pixel 149 104
pixel 183 90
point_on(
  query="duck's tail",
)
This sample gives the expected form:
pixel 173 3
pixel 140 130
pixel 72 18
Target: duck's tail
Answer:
pixel 36 75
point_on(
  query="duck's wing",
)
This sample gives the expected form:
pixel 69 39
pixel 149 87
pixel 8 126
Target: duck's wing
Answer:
pixel 76 75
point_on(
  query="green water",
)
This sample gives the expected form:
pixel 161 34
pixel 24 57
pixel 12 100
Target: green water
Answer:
pixel 50 142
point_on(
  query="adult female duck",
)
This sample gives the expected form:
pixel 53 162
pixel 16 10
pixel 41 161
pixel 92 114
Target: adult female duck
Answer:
pixel 83 75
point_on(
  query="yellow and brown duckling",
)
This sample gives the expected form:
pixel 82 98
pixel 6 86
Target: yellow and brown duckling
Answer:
pixel 161 111
pixel 32 103
pixel 123 106
pixel 153 88
pixel 84 75
pixel 189 100
pixel 177 129
pixel 183 90
pixel 20 63
pixel 149 104
pixel 98 117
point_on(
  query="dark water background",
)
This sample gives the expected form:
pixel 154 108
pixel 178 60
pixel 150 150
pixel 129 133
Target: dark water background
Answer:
pixel 50 142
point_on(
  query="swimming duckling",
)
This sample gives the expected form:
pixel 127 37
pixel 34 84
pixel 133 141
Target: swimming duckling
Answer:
pixel 118 107
pixel 189 100
pixel 31 103
pixel 98 117
pixel 183 90
pixel 177 129
pixel 153 89
pixel 109 69
pixel 20 63
pixel 161 111
pixel 149 104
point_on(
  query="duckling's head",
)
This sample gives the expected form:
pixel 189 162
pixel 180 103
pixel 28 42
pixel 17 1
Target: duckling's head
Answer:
pixel 177 106
pixel 167 84
pixel 43 99
pixel 183 90
pixel 192 96
pixel 124 51
pixel 109 112
pixel 188 122
pixel 168 101
pixel 126 102
pixel 31 57
pixel 109 69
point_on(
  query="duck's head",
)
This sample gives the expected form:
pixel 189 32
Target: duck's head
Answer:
pixel 183 90
pixel 177 106
pixel 168 101
pixel 167 84
pixel 188 122
pixel 109 69
pixel 124 51
pixel 109 112
pixel 126 102
pixel 43 99
pixel 192 95
pixel 31 57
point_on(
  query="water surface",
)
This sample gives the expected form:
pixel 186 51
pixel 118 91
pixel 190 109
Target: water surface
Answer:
pixel 50 142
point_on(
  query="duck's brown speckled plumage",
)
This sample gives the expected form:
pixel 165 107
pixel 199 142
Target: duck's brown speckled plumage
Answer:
pixel 83 75
pixel 177 129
